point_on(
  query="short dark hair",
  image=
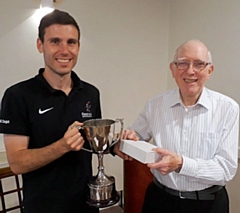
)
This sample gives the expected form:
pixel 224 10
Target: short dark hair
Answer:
pixel 56 17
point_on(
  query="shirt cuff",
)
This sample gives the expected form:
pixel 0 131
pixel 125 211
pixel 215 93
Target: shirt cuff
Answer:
pixel 111 151
pixel 189 167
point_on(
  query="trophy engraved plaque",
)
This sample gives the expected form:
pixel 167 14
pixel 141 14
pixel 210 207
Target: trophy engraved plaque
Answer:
pixel 102 134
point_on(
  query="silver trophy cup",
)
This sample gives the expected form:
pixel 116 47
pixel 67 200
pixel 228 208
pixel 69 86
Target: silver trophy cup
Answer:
pixel 102 134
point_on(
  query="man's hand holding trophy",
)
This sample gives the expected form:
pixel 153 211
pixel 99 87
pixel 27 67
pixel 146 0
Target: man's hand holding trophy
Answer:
pixel 102 134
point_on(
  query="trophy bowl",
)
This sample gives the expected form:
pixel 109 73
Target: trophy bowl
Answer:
pixel 102 134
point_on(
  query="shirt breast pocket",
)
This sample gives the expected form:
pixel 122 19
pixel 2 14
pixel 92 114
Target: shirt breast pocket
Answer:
pixel 208 144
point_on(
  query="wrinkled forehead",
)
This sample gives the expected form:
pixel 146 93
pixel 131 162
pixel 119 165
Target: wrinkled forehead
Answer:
pixel 192 51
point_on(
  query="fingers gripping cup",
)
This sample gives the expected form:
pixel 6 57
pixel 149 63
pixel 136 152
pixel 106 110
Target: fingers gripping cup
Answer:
pixel 102 134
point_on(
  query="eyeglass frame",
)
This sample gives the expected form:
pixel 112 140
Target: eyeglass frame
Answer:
pixel 193 65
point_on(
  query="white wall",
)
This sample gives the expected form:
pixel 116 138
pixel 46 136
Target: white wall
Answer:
pixel 124 49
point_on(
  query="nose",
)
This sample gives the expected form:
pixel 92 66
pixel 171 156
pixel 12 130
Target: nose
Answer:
pixel 190 68
pixel 63 47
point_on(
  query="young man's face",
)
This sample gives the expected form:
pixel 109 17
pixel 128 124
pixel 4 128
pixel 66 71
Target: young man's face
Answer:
pixel 60 48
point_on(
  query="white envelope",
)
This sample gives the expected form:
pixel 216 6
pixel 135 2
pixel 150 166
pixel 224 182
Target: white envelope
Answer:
pixel 140 150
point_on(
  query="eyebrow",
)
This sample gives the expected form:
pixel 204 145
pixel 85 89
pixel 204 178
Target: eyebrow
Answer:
pixel 57 38
pixel 73 39
pixel 181 59
pixel 186 60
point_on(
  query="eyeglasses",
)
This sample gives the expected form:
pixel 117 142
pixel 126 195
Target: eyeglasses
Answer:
pixel 197 65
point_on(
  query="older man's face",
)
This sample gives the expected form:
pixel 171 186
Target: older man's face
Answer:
pixel 191 70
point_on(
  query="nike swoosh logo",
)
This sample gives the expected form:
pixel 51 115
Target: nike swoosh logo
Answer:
pixel 44 111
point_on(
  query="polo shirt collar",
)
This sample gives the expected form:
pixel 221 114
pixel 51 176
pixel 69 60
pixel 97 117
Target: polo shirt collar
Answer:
pixel 77 83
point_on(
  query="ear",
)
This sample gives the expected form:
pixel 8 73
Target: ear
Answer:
pixel 39 45
pixel 210 70
pixel 172 68
pixel 79 46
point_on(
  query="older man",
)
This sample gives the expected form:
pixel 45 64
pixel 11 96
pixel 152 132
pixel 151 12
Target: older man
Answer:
pixel 196 130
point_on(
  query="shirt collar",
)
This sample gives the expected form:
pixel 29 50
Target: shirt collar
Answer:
pixel 203 100
pixel 176 98
pixel 77 83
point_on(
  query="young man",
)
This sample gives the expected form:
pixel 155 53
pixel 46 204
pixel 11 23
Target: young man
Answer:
pixel 196 130
pixel 39 115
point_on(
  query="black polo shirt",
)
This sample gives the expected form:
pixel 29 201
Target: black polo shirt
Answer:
pixel 33 108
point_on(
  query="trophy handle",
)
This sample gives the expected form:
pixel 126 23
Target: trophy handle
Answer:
pixel 88 150
pixel 79 128
pixel 120 120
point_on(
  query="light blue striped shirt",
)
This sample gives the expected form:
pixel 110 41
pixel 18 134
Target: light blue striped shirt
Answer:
pixel 205 135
